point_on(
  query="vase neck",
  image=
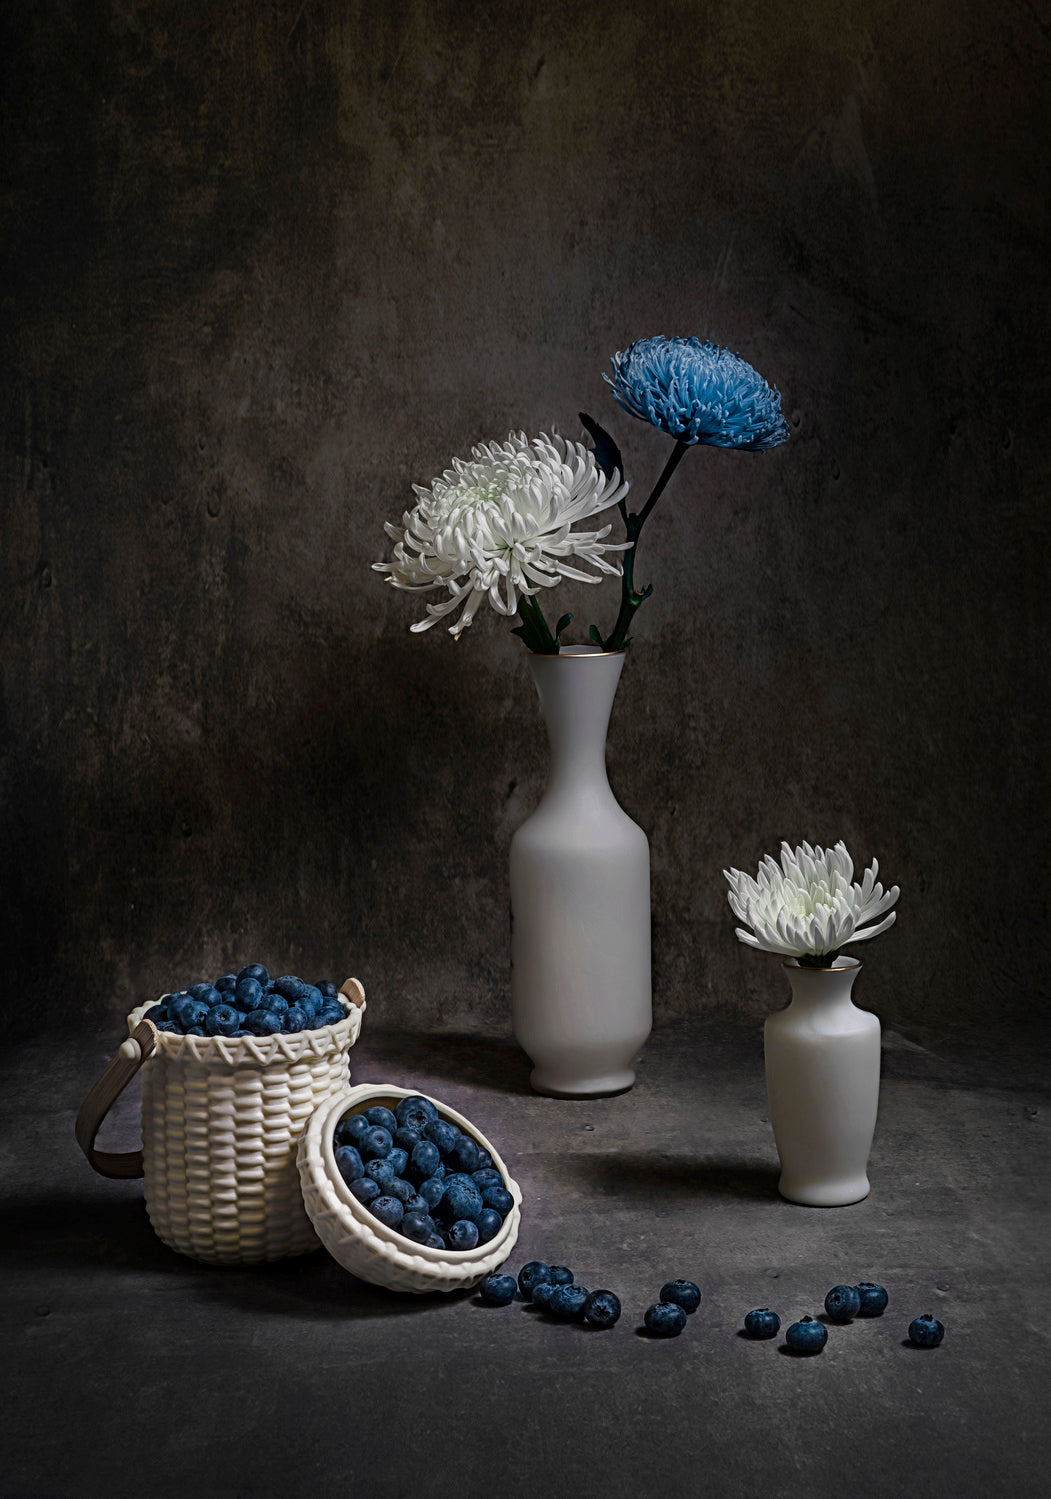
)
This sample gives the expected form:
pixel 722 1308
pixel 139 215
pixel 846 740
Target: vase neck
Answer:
pixel 576 691
pixel 818 989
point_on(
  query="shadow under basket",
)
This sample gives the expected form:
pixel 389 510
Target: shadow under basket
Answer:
pixel 222 1119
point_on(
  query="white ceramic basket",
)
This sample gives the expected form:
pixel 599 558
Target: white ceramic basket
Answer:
pixel 221 1122
pixel 365 1246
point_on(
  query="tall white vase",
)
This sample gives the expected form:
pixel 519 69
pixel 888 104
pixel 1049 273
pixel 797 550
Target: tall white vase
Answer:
pixel 580 896
pixel 822 1081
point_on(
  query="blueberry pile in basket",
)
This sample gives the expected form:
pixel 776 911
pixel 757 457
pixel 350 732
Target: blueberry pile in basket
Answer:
pixel 421 1175
pixel 249 1003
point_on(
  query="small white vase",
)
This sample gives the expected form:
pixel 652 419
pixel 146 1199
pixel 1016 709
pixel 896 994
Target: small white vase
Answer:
pixel 822 1081
pixel 580 896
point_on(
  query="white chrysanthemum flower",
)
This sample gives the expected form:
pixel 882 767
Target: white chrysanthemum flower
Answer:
pixel 806 907
pixel 497 526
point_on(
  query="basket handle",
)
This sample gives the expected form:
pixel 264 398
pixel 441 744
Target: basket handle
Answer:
pixel 117 1074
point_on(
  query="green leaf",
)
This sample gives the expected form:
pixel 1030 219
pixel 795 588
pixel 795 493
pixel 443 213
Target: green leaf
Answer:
pixel 567 619
pixel 520 631
pixel 607 454
pixel 595 636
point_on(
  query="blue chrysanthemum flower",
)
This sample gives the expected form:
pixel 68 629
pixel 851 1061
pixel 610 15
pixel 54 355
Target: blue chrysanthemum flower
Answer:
pixel 698 393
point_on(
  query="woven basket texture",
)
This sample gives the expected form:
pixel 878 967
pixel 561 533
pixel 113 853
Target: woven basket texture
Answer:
pixel 366 1247
pixel 221 1124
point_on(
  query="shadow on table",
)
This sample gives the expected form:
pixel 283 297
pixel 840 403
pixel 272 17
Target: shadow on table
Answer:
pixel 644 1175
pixel 411 1061
pixel 51 1242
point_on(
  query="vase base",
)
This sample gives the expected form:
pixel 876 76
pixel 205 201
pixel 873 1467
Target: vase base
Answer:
pixel 824 1194
pixel 603 1086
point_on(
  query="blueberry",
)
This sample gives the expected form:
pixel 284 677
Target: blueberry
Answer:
pixel 530 1274
pixel 807 1336
pixel 407 1139
pixel 349 1163
pixel 567 1303
pixel 441 1134
pixel 542 1292
pixel 498 1290
pixel 263 1023
pixel 842 1303
pixel 313 997
pixel 248 993
pixel 489 1225
pixel 435 1242
pixel 274 1003
pixel 222 1020
pixel 665 1320
pixel 873 1298
pixel 171 1029
pixel 926 1331
pixel 327 988
pixel 417 1226
pixel 388 1210
pixel 486 1176
pixel 331 1014
pixel 464 1155
pixel 457 1178
pixel 375 1143
pixel 402 1190
pixel 206 992
pixel 431 1191
pixel 399 1160
pixel 561 1275
pixel 156 1013
pixel 294 1020
pixel 762 1323
pixel 498 1198
pixel 418 1204
pixel 351 1129
pixel 485 1160
pixel 289 987
pixel 255 971
pixel 227 983
pixel 463 1235
pixel 365 1189
pixel 197 1030
pixel 381 1171
pixel 415 1112
pixel 681 1293
pixel 423 1162
pixel 458 1201
pixel 601 1309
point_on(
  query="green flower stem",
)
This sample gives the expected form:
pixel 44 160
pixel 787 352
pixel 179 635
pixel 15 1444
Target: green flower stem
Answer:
pixel 535 631
pixel 629 599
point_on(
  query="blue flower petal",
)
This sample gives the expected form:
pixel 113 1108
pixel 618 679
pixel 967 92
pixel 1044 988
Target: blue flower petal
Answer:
pixel 698 393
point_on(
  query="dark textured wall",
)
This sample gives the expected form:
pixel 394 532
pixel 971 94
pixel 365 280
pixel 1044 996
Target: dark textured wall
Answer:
pixel 268 263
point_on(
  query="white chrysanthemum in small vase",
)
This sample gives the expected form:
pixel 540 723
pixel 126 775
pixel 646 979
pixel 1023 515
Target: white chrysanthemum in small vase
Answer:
pixel 806 907
pixel 822 1053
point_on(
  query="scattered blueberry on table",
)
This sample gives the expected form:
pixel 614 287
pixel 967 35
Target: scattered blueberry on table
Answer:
pixel 567 1303
pixel 926 1331
pixel 498 1290
pixel 530 1274
pixel 665 1319
pixel 843 1303
pixel 681 1293
pixel 402 1165
pixel 601 1309
pixel 249 1003
pixel 873 1298
pixel 762 1323
pixel 807 1336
